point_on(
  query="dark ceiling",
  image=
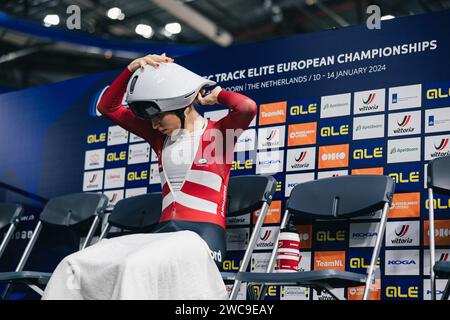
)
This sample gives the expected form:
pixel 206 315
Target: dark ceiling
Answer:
pixel 28 60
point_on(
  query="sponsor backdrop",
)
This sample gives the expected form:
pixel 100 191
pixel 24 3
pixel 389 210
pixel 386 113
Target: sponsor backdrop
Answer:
pixel 339 102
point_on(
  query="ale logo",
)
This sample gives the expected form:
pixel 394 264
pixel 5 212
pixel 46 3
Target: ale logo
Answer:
pixel 370 98
pixel 402 230
pixel 397 292
pixel 437 94
pixel 266 235
pixel 301 109
pixel 442 145
pixel 405 121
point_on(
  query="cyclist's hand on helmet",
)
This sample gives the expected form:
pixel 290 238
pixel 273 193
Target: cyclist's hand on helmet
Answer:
pixel 151 59
pixel 211 98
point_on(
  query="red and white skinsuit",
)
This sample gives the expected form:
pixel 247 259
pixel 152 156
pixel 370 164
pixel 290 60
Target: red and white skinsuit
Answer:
pixel 200 204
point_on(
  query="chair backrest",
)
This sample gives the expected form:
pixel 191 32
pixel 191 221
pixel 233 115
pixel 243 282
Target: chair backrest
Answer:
pixel 72 209
pixel 9 212
pixel 247 193
pixel 438 175
pixel 341 197
pixel 138 212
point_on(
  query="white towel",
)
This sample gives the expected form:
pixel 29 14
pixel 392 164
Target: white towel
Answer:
pixel 168 266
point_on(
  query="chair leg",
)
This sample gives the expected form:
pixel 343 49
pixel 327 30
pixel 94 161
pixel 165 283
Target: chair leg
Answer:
pixel 446 291
pixel 7 291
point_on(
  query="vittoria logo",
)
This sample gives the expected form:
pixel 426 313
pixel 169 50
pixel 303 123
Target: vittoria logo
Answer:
pixel 369 99
pixel 440 149
pixel 266 235
pixel 94 177
pixel 443 257
pixel 402 233
pixel 442 145
pixel 271 135
pixel 402 230
pixel 402 125
pixel 299 159
pixel 405 121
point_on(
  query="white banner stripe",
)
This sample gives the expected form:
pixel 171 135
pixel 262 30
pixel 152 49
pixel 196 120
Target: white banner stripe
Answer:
pixel 196 203
pixel 205 178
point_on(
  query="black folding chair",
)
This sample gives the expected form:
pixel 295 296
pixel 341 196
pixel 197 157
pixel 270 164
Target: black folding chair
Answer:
pixel 438 180
pixel 247 194
pixel 138 214
pixel 10 214
pixel 65 211
pixel 331 199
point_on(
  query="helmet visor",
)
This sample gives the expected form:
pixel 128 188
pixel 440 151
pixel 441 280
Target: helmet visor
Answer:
pixel 145 109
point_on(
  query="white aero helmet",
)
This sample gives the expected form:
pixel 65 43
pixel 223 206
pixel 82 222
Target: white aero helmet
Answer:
pixel 170 87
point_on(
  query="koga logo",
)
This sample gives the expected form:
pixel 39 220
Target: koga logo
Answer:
pixel 402 262
pixel 299 161
pixel 268 162
pixel 137 176
pixel 360 263
pixel 93 138
pixel 364 235
pixel 437 94
pixel 439 148
pixel 328 236
pixel 237 165
pixel 368 106
pixel 398 292
pixel 402 125
pixel 398 177
pixel 113 156
pixel 301 109
pixel 94 177
pixel 359 154
pixel 395 150
pixel 401 232
pixel 329 131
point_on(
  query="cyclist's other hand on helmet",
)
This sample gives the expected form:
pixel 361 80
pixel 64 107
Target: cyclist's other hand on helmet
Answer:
pixel 151 59
pixel 211 98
